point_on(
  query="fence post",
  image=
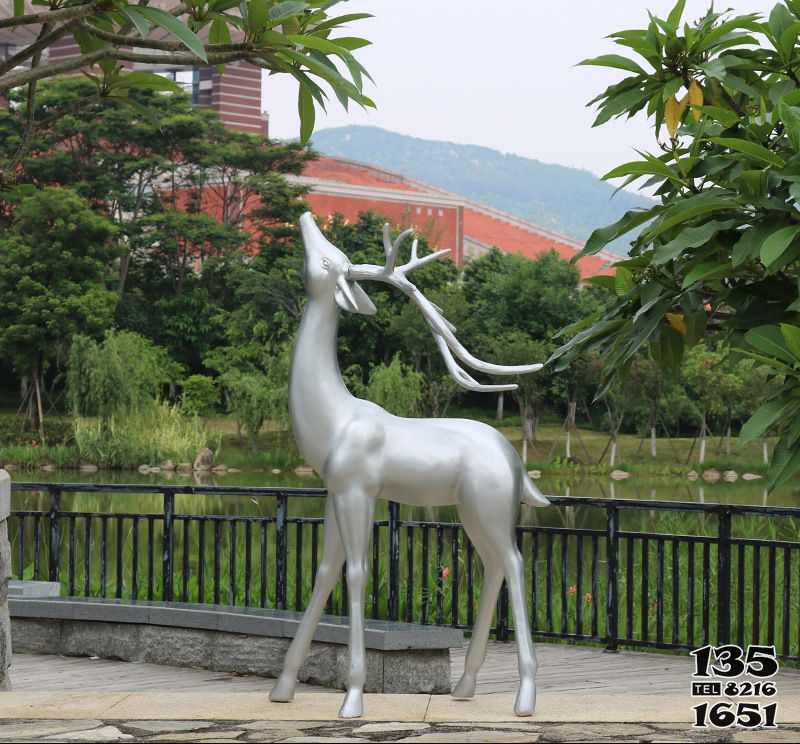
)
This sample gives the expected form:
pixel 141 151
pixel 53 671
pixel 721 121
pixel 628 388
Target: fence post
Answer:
pixel 612 578
pixel 281 551
pixel 724 578
pixel 502 613
pixel 167 545
pixel 394 561
pixel 55 537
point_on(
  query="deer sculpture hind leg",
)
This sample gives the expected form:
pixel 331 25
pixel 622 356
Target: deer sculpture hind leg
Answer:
pixel 488 508
pixel 327 576
pixel 476 652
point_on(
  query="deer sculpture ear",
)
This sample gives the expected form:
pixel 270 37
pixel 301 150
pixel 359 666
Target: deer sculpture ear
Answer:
pixel 350 297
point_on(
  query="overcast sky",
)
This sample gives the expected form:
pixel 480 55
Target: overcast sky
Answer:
pixel 497 74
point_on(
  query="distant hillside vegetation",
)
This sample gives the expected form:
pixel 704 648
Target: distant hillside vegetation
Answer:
pixel 569 200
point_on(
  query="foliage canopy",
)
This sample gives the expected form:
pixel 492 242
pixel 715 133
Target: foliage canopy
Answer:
pixel 717 258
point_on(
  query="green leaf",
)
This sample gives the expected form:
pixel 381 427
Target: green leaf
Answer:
pixel 148 81
pixel 774 246
pixel 218 32
pixel 695 327
pixel 674 17
pixel 769 339
pixel 640 168
pixel 305 107
pixel 791 335
pixel 629 221
pixel 604 280
pixel 616 61
pixel 706 270
pixel 623 281
pixel 137 19
pixel 749 244
pixel 724 116
pixel 316 42
pixel 177 28
pixel 690 237
pixel 19 8
pixel 668 352
pixel 791 122
pixel 749 148
pixel 282 11
pixel 685 209
pixel 794 307
pixel 763 420
pixel 785 463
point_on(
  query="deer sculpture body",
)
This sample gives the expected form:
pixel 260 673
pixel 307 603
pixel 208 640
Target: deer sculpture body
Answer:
pixel 364 454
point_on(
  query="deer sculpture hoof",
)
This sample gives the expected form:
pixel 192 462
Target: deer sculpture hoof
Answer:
pixel 283 691
pixel 526 698
pixel 465 687
pixel 353 705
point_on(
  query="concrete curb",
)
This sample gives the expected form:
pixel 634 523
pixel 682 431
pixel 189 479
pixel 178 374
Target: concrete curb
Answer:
pixel 495 708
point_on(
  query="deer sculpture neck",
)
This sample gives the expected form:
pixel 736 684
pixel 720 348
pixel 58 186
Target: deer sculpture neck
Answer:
pixel 318 398
pixel 365 454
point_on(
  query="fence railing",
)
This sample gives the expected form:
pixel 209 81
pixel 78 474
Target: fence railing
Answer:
pixel 635 573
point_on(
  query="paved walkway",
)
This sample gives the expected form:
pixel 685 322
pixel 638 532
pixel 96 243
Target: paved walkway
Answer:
pixel 584 695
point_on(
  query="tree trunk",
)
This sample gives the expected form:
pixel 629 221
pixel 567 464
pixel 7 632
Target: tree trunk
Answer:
pixel 703 429
pixel 653 449
pixel 728 437
pixel 37 387
pixel 613 457
pixel 765 450
pixel 501 400
pixel 524 451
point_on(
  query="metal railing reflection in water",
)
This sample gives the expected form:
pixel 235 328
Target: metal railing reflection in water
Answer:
pixel 656 574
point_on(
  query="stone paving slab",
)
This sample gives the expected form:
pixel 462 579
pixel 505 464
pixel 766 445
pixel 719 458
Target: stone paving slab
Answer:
pixel 93 730
pixel 244 705
pixel 314 707
pixel 59 706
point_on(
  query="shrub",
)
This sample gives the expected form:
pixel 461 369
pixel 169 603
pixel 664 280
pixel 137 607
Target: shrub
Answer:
pixel 155 433
pixel 200 395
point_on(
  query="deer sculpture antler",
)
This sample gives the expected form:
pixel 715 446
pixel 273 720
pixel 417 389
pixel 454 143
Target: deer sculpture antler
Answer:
pixel 443 331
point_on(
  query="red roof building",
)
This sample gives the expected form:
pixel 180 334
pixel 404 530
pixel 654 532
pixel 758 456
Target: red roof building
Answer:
pixel 448 220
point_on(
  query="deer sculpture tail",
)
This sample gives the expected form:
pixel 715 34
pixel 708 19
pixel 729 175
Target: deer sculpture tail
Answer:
pixel 531 494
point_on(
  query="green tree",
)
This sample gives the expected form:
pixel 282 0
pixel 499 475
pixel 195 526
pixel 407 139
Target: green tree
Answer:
pixel 396 388
pixel 719 252
pixel 53 263
pixel 296 38
pixel 200 395
pixel 121 373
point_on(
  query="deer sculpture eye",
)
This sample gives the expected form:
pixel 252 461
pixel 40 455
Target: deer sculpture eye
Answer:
pixel 326 263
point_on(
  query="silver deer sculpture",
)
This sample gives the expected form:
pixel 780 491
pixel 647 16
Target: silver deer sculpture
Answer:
pixel 364 454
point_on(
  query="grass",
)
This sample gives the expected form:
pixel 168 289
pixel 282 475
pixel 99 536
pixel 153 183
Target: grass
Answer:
pixel 276 448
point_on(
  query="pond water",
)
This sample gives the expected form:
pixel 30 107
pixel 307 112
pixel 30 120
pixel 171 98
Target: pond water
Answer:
pixel 636 487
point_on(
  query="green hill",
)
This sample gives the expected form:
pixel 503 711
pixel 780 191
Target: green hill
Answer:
pixel 569 200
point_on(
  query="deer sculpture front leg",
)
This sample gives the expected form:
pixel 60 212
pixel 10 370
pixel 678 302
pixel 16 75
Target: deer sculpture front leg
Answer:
pixel 327 575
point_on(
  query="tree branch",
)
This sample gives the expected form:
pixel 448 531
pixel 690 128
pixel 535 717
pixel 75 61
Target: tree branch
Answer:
pixel 175 59
pixel 50 16
pixel 41 43
pixel 167 45
pixel 30 113
pixel 54 68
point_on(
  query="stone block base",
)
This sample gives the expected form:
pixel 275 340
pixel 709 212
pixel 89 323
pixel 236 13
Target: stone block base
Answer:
pixel 406 671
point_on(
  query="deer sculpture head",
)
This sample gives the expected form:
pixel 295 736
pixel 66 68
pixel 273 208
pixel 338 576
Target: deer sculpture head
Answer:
pixel 329 274
pixel 363 453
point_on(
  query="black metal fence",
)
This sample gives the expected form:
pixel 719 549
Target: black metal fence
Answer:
pixel 655 574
